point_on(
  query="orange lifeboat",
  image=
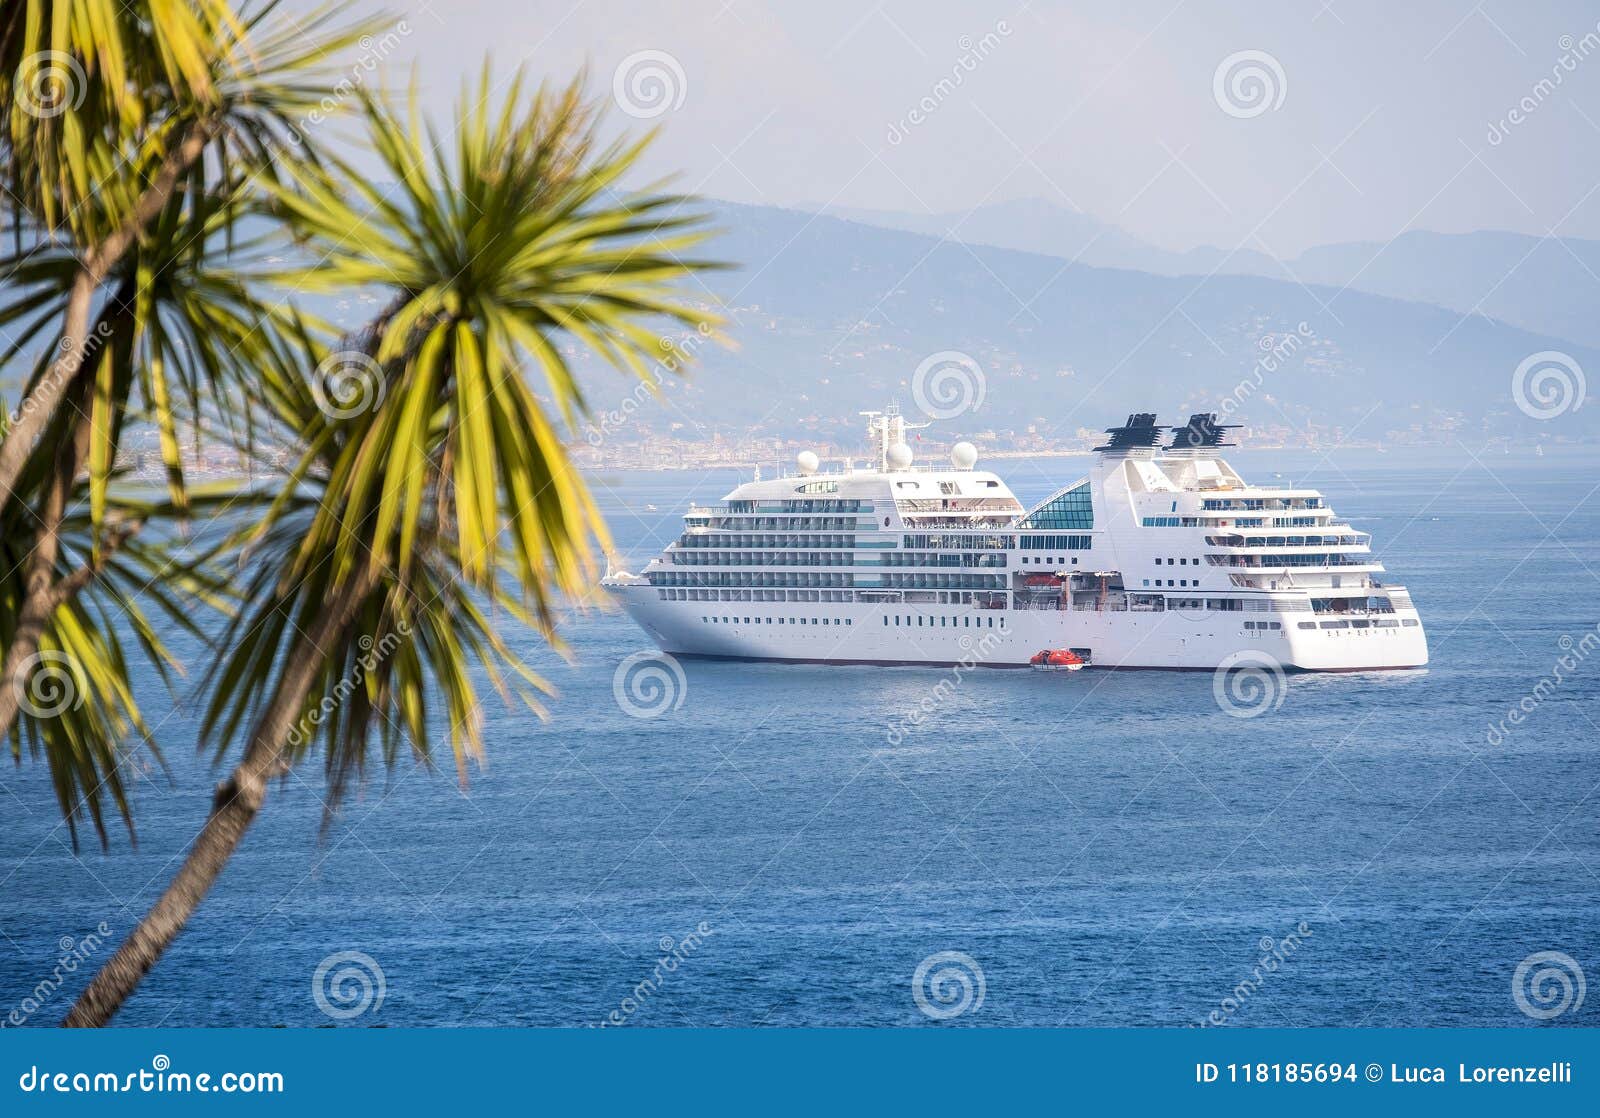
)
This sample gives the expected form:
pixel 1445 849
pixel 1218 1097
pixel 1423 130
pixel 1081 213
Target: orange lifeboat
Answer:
pixel 1056 660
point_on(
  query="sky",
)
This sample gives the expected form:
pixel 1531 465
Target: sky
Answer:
pixel 1348 120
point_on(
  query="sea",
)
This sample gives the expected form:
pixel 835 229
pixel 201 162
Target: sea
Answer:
pixel 773 845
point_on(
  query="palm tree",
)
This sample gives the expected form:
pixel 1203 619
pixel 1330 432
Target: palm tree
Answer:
pixel 136 137
pixel 441 489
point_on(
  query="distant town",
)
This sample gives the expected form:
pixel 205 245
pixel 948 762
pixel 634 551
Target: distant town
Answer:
pixel 687 449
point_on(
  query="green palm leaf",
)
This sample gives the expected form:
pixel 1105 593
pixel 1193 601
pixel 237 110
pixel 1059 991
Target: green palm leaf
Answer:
pixel 452 499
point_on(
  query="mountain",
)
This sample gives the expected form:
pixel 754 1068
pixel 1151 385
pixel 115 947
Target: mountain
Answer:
pixel 834 316
pixel 1037 225
pixel 1548 285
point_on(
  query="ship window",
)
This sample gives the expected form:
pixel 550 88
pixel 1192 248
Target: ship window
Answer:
pixel 1158 561
pixel 1336 624
pixel 1147 582
pixel 1070 508
pixel 1308 624
pixel 1183 562
pixel 1409 622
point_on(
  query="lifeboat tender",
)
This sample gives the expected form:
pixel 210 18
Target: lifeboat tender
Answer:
pixel 1056 660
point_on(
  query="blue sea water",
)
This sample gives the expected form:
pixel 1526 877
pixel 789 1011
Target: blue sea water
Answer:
pixel 1103 848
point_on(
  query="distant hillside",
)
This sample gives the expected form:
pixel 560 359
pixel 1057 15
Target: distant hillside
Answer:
pixel 1545 285
pixel 834 316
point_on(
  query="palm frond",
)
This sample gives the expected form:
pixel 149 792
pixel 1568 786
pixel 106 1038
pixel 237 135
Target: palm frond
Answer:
pixel 453 489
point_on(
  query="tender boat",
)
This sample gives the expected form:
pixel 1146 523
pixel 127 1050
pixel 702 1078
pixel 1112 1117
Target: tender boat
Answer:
pixel 1056 660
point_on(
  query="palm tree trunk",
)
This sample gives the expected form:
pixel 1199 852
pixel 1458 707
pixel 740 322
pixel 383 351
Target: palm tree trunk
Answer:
pixel 39 588
pixel 235 806
pixel 42 594
pixel 40 404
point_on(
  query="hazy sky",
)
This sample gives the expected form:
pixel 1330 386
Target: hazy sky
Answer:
pixel 1378 116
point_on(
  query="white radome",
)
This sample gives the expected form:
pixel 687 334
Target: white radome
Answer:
pixel 963 456
pixel 808 462
pixel 900 457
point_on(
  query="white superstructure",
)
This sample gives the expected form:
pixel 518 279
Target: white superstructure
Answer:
pixel 1163 557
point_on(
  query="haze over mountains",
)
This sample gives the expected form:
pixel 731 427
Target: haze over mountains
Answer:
pixel 1548 285
pixel 833 316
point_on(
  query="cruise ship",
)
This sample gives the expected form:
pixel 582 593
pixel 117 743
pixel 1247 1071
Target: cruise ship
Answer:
pixel 1162 557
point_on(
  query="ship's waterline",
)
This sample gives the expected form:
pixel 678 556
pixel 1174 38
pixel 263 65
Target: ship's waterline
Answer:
pixel 1162 557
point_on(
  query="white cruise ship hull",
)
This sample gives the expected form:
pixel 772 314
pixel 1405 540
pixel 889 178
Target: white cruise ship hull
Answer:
pixel 1163 556
pixel 854 633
